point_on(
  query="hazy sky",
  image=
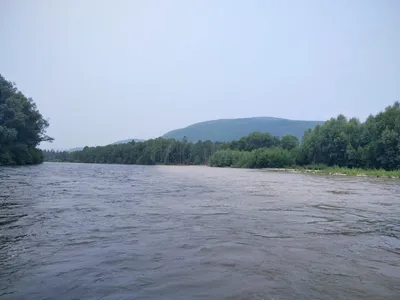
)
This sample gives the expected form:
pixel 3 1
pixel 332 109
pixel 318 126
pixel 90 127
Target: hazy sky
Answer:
pixel 103 71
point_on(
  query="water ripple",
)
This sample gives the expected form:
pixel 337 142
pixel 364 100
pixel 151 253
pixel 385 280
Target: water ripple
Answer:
pixel 76 231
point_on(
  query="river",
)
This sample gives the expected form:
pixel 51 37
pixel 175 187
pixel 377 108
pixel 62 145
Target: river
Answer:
pixel 86 231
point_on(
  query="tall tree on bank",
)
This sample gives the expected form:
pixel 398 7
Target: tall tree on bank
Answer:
pixel 22 127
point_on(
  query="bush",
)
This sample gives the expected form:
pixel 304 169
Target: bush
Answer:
pixel 259 158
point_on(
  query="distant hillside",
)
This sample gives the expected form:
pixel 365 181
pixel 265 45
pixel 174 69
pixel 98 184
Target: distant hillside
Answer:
pixel 224 130
pixel 75 149
pixel 127 141
pixel 115 143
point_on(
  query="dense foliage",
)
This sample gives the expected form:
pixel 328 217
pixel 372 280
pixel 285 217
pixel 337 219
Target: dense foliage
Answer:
pixel 156 151
pixel 258 158
pixel 227 130
pixel 163 151
pixel 374 144
pixel 350 143
pixel 22 127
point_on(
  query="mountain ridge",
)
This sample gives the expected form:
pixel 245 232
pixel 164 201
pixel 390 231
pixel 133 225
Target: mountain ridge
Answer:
pixel 114 143
pixel 224 130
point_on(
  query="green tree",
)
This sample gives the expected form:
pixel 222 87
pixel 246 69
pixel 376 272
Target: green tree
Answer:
pixel 22 127
pixel 289 142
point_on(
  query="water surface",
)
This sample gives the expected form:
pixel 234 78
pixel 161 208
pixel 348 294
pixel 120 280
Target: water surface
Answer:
pixel 81 231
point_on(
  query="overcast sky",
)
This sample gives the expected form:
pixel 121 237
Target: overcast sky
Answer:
pixel 103 71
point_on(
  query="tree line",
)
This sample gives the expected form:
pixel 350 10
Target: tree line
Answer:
pixel 155 151
pixel 22 127
pixel 166 151
pixel 342 142
pixel 373 144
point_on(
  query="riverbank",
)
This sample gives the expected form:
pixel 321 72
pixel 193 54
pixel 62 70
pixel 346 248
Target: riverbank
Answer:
pixel 335 171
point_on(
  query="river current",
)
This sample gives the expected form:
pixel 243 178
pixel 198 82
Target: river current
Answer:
pixel 86 231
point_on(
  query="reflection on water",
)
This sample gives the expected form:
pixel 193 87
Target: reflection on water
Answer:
pixel 73 231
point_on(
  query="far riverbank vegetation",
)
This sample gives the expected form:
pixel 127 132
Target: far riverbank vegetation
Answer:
pixel 339 146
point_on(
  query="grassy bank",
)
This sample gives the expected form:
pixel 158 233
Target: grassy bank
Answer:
pixel 340 171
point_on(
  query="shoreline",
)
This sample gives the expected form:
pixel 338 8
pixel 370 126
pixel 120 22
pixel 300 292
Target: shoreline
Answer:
pixel 331 171
pixel 339 172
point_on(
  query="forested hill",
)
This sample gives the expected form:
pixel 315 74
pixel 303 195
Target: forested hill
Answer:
pixel 226 130
pixel 22 127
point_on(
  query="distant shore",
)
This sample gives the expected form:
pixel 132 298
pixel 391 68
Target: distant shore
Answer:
pixel 335 171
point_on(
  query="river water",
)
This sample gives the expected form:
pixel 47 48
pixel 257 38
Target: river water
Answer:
pixel 82 231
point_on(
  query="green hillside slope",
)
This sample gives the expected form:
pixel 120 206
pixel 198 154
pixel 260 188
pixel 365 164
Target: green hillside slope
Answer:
pixel 127 141
pixel 232 129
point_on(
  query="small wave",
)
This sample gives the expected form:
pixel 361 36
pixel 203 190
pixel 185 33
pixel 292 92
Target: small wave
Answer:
pixel 341 192
pixel 270 236
pixel 345 233
pixel 327 207
pixel 11 220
